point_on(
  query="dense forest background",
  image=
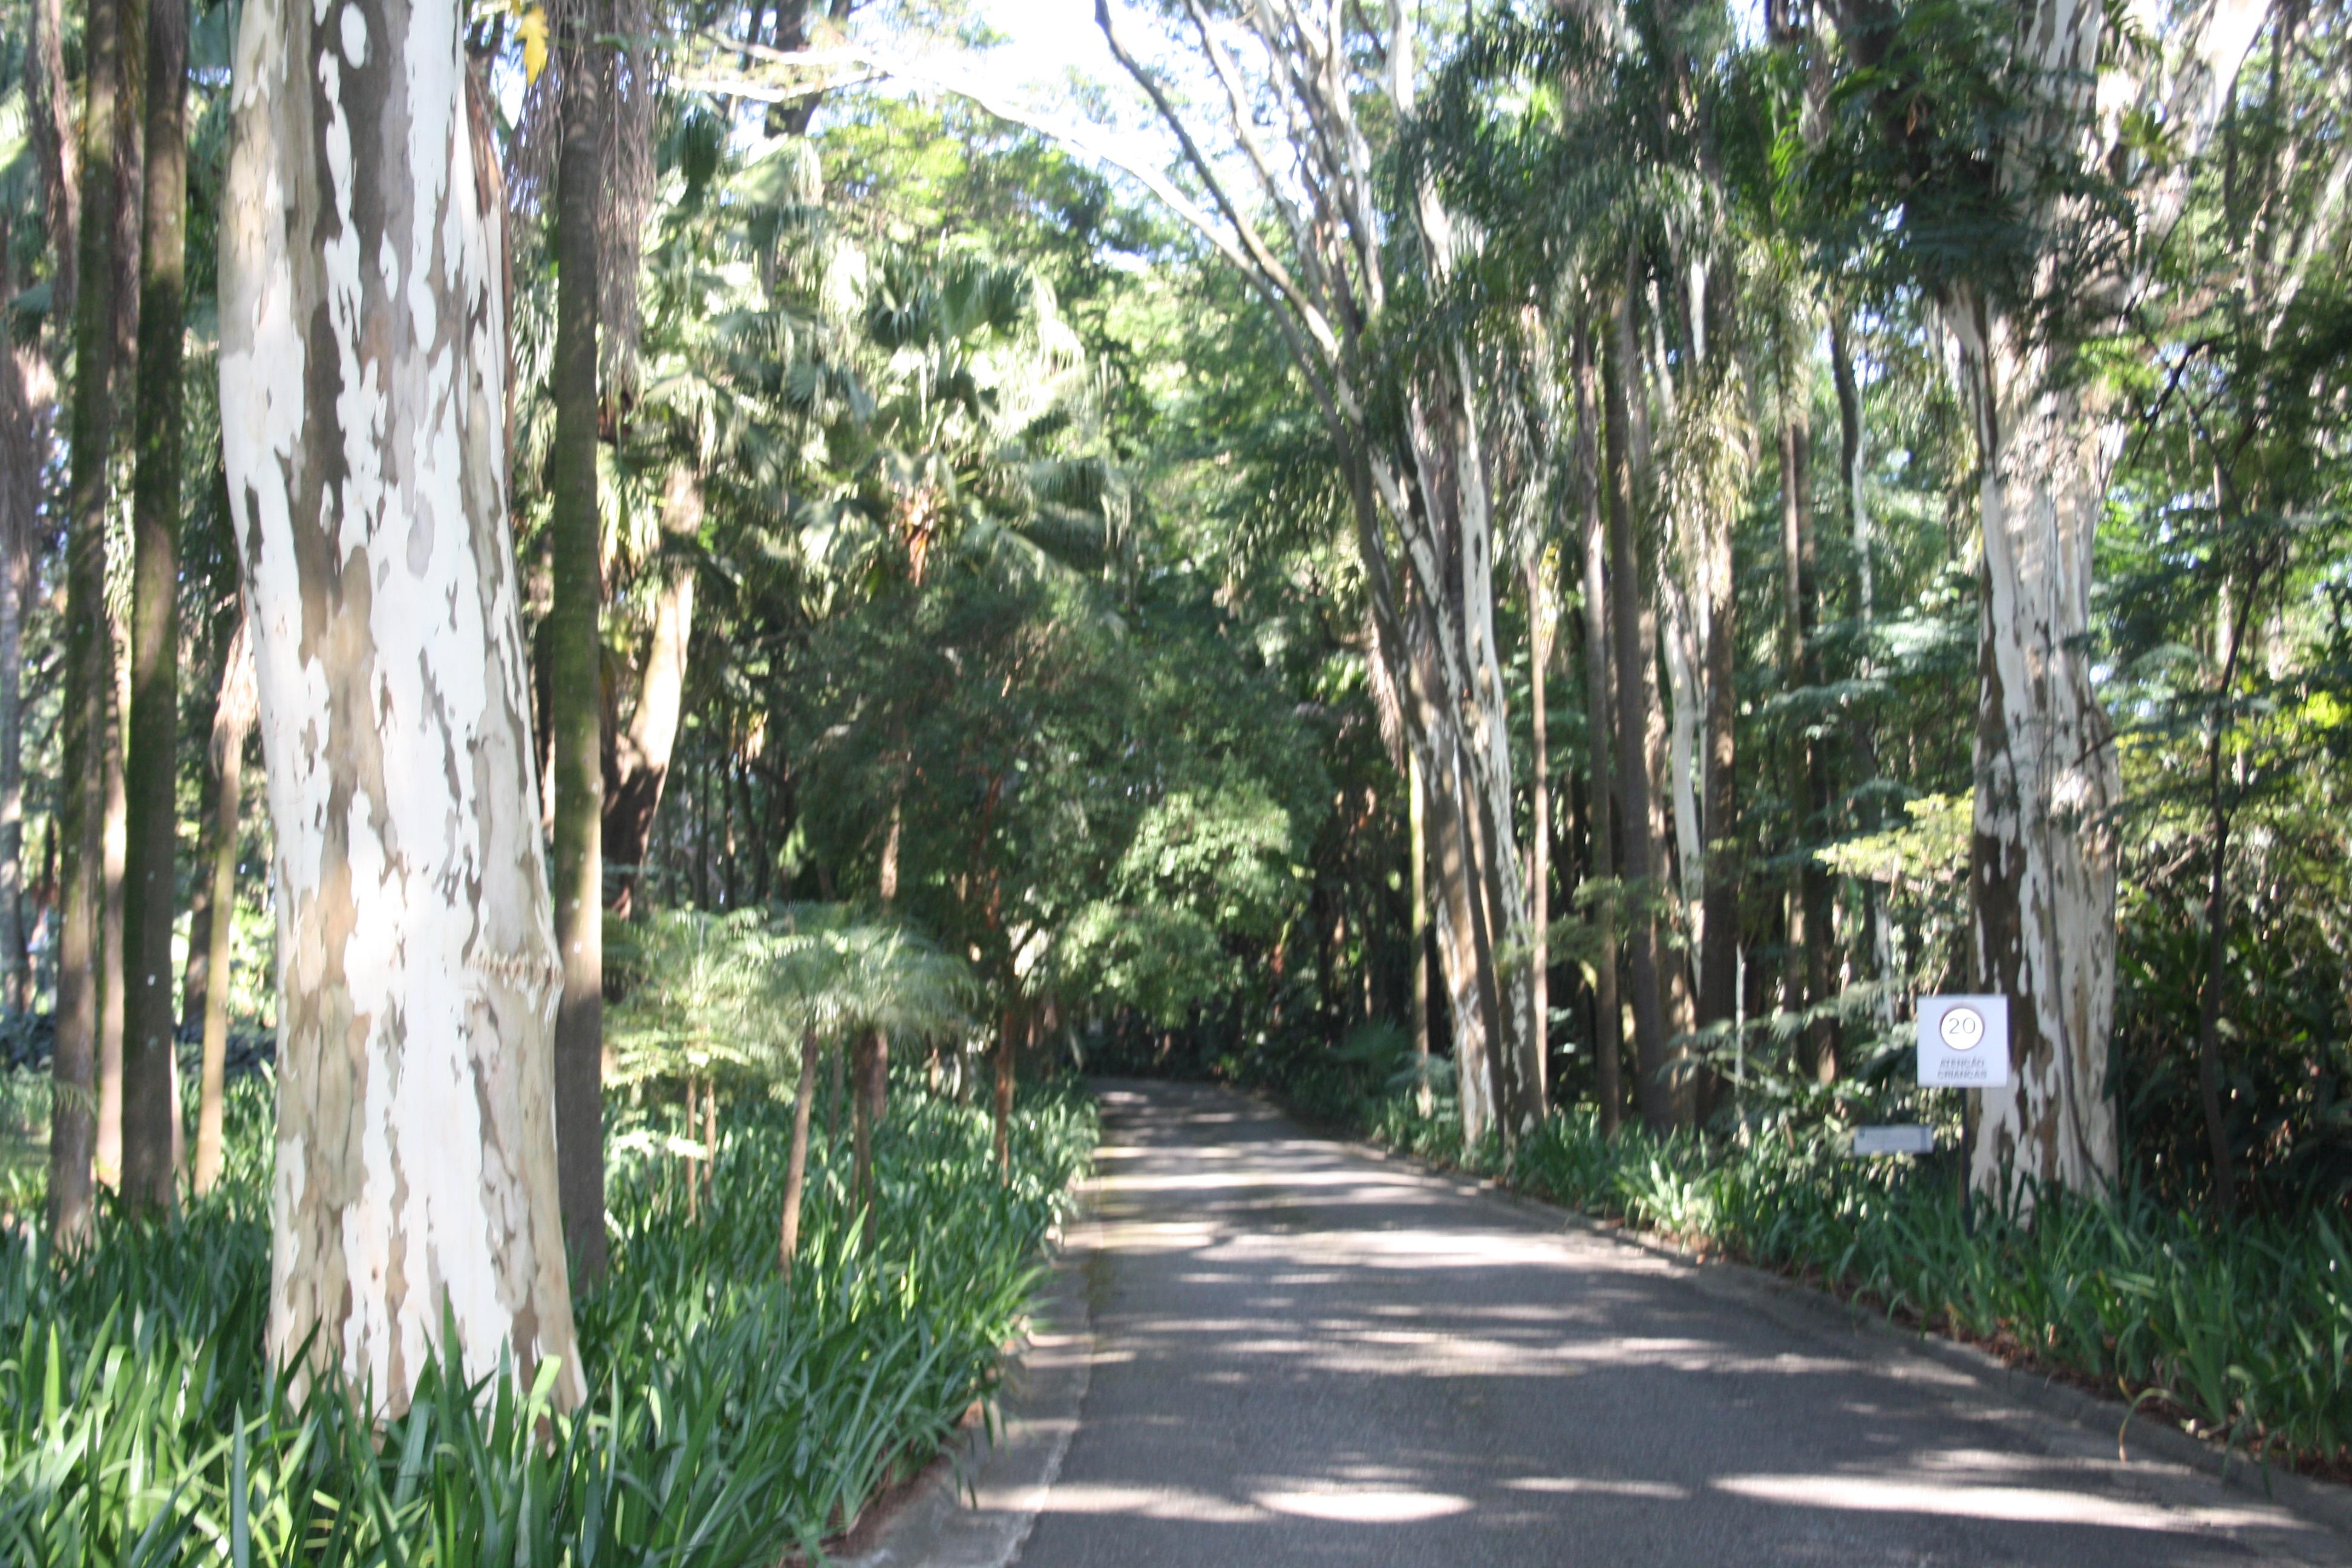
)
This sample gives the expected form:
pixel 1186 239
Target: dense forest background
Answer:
pixel 974 539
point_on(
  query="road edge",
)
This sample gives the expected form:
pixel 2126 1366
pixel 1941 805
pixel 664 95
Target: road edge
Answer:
pixel 976 1504
pixel 2324 1506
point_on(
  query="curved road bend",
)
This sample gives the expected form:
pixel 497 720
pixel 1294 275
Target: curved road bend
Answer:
pixel 1306 1356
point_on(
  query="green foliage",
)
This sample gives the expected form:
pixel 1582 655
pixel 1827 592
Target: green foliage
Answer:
pixel 731 1414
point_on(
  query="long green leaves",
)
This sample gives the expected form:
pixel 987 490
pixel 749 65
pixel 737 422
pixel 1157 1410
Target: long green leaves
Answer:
pixel 732 1414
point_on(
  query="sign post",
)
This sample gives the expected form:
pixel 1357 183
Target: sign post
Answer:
pixel 1964 1045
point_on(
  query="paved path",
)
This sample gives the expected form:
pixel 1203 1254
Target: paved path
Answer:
pixel 1307 1356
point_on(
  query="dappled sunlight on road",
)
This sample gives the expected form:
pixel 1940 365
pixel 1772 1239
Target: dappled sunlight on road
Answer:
pixel 1307 1356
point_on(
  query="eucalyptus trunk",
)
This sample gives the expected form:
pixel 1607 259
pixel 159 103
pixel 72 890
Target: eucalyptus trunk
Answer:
pixel 150 1074
pixel 73 1137
pixel 575 544
pixel 362 403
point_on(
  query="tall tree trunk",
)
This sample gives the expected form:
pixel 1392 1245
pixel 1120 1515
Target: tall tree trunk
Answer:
pixel 1542 629
pixel 82 716
pixel 363 370
pixel 637 769
pixel 1609 1022
pixel 227 617
pixel 575 538
pixel 151 728
pixel 1635 800
pixel 26 391
pixel 1418 848
pixel 114 833
pixel 1809 968
pixel 2042 854
pixel 1718 979
pixel 233 718
pixel 1852 434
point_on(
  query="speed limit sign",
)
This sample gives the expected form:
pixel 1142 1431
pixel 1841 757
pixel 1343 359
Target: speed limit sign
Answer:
pixel 1963 1042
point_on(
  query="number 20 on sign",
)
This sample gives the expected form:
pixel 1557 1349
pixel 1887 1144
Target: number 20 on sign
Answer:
pixel 1963 1042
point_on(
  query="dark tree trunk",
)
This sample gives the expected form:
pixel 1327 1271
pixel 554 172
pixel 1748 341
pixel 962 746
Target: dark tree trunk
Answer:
pixel 150 1123
pixel 1608 1037
pixel 575 671
pixel 82 719
pixel 1652 1092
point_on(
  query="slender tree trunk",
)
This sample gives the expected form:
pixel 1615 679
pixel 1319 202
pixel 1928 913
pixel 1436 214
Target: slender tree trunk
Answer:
pixel 1852 435
pixel 1541 631
pixel 637 768
pixel 1809 973
pixel 82 718
pixel 150 726
pixel 24 395
pixel 1635 798
pixel 576 666
pixel 1417 815
pixel 232 722
pixel 113 849
pixel 2208 1011
pixel 788 1244
pixel 361 320
pixel 1718 986
pixel 1608 1040
pixel 2216 914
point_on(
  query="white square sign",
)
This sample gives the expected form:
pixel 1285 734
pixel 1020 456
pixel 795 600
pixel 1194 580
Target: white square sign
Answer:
pixel 1963 1042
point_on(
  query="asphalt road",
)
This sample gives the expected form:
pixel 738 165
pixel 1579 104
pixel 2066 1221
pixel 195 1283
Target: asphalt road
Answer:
pixel 1303 1355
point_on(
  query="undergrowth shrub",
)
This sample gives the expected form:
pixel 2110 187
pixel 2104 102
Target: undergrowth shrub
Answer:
pixel 731 1417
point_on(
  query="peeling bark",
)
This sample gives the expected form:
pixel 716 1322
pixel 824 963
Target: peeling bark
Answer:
pixel 2043 853
pixel 363 370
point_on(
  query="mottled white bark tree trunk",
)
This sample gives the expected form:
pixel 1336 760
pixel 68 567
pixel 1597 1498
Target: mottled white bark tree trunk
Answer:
pixel 2044 857
pixel 363 370
pixel 2044 861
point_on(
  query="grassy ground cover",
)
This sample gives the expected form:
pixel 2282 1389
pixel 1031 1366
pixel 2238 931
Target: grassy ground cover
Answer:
pixel 733 1417
pixel 2241 1332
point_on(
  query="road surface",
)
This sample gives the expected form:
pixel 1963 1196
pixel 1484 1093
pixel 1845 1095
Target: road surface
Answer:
pixel 1303 1355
